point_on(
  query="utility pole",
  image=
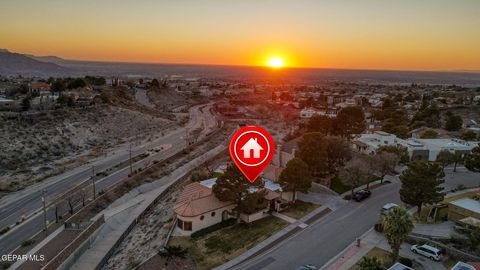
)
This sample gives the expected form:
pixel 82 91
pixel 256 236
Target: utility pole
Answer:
pixel 93 182
pixel 130 160
pixel 44 193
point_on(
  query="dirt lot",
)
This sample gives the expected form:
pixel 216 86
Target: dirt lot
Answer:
pixel 33 145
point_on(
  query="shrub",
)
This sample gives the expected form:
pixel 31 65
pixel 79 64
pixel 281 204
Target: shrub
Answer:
pixel 28 242
pixel 405 261
pixel 4 230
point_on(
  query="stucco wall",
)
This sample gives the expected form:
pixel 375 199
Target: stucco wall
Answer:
pixel 208 220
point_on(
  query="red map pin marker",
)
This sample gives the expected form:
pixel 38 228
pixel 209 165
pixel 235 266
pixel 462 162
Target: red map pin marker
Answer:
pixel 251 148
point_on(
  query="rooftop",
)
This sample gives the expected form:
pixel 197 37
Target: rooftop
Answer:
pixel 469 204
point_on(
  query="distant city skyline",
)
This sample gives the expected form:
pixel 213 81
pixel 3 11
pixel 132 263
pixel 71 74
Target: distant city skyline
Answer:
pixel 437 35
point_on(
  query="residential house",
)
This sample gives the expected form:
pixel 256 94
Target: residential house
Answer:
pixel 198 208
pixel 465 211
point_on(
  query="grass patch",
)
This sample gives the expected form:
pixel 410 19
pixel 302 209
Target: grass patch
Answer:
pixel 337 186
pixel 227 243
pixel 381 254
pixel 300 209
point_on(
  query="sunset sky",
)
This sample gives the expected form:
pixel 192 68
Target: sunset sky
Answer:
pixel 356 34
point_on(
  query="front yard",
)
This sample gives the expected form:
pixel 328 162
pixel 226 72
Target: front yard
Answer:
pixel 300 209
pixel 227 243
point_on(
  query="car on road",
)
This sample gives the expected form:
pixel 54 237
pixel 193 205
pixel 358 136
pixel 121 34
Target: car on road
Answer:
pixel 430 252
pixel 307 267
pixel 387 207
pixel 361 195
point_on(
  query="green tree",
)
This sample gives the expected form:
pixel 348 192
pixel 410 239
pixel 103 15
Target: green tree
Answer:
pixel 457 158
pixel 76 83
pixel 350 120
pixel 231 186
pixel 469 135
pixel 472 160
pixel 58 86
pixel 313 151
pixel 320 123
pixel 155 83
pixel 397 224
pixel 445 158
pixel 26 103
pixel 400 151
pixel 295 177
pixel 453 122
pixel 421 183
pixel 338 152
pixel 370 263
pixel 253 202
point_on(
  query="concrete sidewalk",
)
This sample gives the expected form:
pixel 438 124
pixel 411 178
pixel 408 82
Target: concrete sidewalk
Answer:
pixel 372 239
pixel 273 241
pixel 125 211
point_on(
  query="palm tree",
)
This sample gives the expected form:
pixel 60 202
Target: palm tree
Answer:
pixel 370 263
pixel 397 224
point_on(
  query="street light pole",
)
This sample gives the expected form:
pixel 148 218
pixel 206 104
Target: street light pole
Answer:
pixel 93 182
pixel 44 192
pixel 130 160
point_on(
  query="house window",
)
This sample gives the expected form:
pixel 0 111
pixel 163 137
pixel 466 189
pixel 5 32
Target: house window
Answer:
pixel 187 225
pixel 213 214
pixel 202 217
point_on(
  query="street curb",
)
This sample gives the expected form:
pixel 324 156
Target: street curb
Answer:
pixel 332 260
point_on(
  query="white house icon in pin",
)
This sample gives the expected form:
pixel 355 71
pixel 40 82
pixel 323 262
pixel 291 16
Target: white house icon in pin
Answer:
pixel 251 145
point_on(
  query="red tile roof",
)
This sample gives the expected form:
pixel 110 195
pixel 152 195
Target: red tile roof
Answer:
pixel 197 199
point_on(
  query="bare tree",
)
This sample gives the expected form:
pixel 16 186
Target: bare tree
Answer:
pixel 83 196
pixel 354 173
pixel 72 200
pixel 385 164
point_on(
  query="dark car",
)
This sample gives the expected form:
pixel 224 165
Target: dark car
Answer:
pixel 361 195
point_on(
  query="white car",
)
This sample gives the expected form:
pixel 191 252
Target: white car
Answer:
pixel 427 251
pixel 387 208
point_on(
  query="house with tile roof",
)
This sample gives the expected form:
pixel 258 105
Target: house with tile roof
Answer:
pixel 198 208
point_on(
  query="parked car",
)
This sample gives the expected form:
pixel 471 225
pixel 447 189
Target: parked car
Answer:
pixel 361 195
pixel 387 208
pixel 307 267
pixel 427 251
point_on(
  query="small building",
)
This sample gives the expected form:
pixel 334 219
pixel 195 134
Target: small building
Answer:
pixel 40 87
pixel 198 208
pixel 465 211
pixel 466 266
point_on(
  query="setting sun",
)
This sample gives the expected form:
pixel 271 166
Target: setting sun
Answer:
pixel 276 62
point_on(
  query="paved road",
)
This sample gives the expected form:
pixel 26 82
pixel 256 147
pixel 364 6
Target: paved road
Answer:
pixel 323 240
pixel 28 201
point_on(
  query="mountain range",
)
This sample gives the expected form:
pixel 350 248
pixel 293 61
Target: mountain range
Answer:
pixel 28 65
